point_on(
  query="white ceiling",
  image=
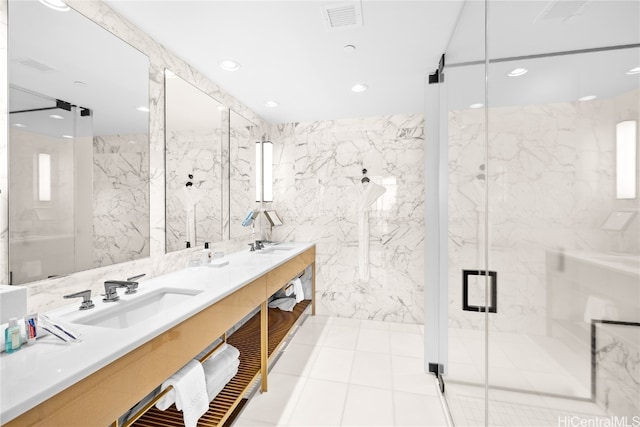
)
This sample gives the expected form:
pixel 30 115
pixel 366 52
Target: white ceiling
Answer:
pixel 288 54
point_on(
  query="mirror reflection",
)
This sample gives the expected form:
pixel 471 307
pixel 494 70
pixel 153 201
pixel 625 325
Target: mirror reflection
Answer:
pixel 78 145
pixel 242 163
pixel 193 159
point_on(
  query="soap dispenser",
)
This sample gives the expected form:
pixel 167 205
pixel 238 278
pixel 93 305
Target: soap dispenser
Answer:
pixel 206 254
pixel 12 338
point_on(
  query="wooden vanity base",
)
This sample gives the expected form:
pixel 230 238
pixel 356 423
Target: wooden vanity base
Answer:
pixel 247 340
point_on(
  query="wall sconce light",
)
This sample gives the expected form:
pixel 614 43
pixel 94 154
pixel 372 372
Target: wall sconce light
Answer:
pixel 264 171
pixel 626 156
pixel 44 177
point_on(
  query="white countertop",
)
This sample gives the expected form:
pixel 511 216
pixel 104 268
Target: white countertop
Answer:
pixel 621 263
pixel 35 373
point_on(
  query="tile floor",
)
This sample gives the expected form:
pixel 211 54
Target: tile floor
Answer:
pixel 346 372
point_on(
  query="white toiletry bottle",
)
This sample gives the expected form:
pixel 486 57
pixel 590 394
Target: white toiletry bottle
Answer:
pixel 206 254
pixel 12 338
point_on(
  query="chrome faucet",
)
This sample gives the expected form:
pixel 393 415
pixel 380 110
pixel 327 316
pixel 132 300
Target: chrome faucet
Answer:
pixel 259 245
pixel 86 299
pixel 111 286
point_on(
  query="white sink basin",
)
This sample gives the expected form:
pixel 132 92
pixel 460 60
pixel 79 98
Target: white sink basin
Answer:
pixel 127 313
pixel 271 249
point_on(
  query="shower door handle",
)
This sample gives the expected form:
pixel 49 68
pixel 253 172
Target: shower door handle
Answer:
pixel 493 278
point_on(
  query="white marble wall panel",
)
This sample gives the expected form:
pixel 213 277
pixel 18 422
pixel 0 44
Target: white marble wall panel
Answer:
pixel 316 165
pixel 199 153
pixel 120 198
pixel 47 294
pixel 618 369
pixel 243 135
pixel 551 176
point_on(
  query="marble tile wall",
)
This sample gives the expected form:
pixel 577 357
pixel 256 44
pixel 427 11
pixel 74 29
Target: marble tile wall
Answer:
pixel 120 198
pixel 618 369
pixel 197 152
pixel 551 185
pixel 47 294
pixel 242 157
pixel 316 166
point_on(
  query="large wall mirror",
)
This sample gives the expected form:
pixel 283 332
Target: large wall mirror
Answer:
pixel 78 145
pixel 193 161
pixel 242 172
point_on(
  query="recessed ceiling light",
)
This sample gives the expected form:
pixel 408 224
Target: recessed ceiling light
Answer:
pixel 587 98
pixel 477 105
pixel 633 71
pixel 517 72
pixel 359 87
pixel 58 5
pixel 349 48
pixel 19 125
pixel 169 74
pixel 56 116
pixel 79 83
pixel 67 136
pixel 229 65
pixel 271 104
pixel 143 109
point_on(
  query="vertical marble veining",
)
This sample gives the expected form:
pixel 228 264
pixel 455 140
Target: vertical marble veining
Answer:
pixel 120 198
pixel 316 166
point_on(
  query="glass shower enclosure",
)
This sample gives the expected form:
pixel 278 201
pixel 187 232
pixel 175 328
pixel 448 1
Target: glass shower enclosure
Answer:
pixel 539 320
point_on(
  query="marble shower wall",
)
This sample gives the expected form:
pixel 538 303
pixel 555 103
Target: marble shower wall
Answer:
pixel 551 184
pixel 47 294
pixel 196 152
pixel 120 198
pixel 316 167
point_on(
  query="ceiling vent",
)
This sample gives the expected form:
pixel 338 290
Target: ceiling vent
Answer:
pixel 561 10
pixel 36 65
pixel 342 15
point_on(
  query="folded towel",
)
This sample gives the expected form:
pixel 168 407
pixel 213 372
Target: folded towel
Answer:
pixel 220 369
pixel 189 393
pixel 297 289
pixel 215 354
pixel 284 304
pixel 215 383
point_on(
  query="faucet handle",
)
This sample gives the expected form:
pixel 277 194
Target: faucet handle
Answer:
pixel 132 287
pixel 253 247
pixel 86 299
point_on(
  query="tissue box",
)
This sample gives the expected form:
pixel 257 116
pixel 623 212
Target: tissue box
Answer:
pixel 13 302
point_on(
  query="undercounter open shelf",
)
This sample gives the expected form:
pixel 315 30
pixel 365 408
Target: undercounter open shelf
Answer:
pixel 247 340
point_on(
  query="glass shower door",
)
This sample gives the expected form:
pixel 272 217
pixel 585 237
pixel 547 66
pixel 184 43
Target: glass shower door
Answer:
pixel 560 224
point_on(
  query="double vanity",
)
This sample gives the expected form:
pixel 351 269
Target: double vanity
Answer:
pixel 129 347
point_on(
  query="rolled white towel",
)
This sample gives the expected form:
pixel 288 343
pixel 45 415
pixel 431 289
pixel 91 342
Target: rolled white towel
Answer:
pixel 189 393
pixel 215 354
pixel 215 383
pixel 217 370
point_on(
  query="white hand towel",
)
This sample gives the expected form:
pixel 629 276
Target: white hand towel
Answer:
pixel 297 289
pixel 189 393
